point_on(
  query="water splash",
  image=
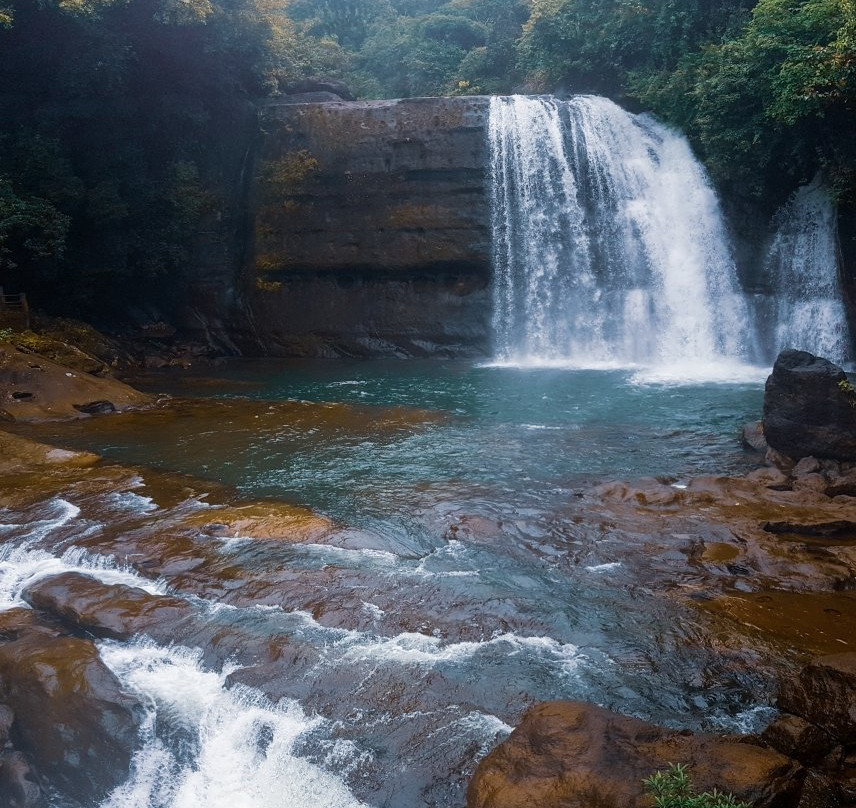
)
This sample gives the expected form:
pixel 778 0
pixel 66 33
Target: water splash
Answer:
pixel 609 244
pixel 206 744
pixel 803 266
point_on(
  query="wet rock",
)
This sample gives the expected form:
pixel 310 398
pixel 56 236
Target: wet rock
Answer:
pixel 778 460
pixel 20 622
pixel 576 754
pixel 18 454
pixel 73 718
pixel 809 408
pixel 840 528
pixel 19 786
pixel 842 485
pixel 115 611
pixel 824 693
pixel 276 521
pixel 753 437
pixel 797 738
pixel 819 791
pixel 399 264
pixel 811 483
pixel 769 478
pixel 808 465
pixel 96 407
pixel 6 719
pixel 54 391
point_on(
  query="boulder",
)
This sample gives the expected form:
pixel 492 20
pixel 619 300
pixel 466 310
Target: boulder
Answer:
pixel 33 388
pixel 574 755
pixel 824 694
pixel 797 738
pixel 809 408
pixel 115 611
pixel 72 717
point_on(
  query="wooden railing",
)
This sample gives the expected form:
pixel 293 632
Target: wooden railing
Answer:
pixel 14 310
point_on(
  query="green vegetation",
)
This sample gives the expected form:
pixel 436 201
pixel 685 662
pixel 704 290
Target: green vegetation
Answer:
pixel 125 123
pixel 673 788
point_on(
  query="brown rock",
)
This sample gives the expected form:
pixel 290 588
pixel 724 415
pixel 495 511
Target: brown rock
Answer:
pixel 43 390
pixel 797 738
pixel 819 791
pixel 824 693
pixel 18 453
pixel 842 485
pixel 769 477
pixel 576 755
pixel 73 718
pixel 808 465
pixel 811 483
pixel 107 610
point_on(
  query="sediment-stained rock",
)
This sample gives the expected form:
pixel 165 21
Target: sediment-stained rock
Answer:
pixel 573 755
pixel 33 388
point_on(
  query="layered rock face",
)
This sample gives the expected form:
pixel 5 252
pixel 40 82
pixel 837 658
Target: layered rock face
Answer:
pixel 371 229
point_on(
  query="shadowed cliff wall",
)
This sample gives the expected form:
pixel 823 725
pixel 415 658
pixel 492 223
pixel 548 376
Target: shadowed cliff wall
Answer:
pixel 371 232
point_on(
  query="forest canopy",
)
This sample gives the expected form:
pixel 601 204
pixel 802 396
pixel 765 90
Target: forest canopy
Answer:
pixel 121 118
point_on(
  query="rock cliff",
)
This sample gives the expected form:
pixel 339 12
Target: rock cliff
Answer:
pixel 370 230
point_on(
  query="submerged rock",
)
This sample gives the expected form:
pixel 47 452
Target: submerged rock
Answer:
pixel 19 787
pixel 809 408
pixel 72 716
pixel 570 753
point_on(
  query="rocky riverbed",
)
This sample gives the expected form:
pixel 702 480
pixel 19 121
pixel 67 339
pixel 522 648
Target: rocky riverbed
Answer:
pixel 740 580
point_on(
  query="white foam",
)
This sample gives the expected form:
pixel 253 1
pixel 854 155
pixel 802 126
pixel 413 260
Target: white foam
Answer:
pixel 678 374
pixel 411 648
pixel 238 749
pixel 23 565
pixel 130 501
pixel 612 565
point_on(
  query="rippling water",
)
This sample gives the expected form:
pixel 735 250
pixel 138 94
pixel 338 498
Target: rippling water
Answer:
pixel 459 585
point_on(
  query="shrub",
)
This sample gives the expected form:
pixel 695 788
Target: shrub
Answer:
pixel 673 788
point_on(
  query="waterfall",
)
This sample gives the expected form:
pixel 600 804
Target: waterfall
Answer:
pixel 802 265
pixel 609 244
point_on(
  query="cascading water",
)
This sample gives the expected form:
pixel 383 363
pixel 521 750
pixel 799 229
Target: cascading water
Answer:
pixel 803 267
pixel 609 244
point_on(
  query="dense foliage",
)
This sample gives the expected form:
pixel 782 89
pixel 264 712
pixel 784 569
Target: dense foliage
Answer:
pixel 124 121
pixel 119 123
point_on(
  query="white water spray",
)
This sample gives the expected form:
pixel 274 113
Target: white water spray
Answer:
pixel 609 244
pixel 206 744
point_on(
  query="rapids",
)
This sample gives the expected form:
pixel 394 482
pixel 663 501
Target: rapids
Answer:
pixel 454 582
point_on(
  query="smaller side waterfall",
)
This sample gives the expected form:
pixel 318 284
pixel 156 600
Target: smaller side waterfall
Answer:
pixel 609 244
pixel 802 264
